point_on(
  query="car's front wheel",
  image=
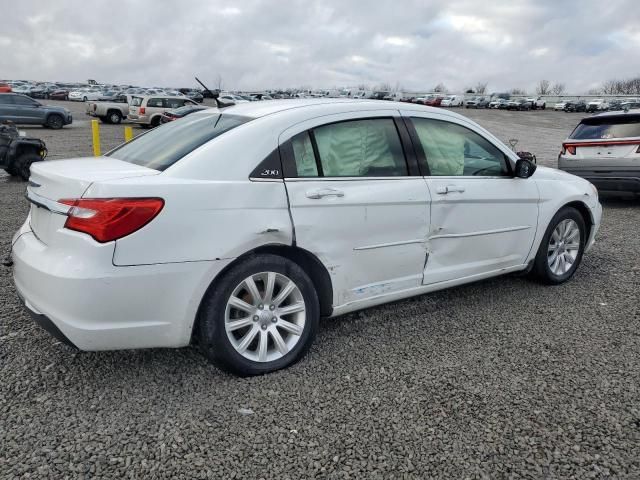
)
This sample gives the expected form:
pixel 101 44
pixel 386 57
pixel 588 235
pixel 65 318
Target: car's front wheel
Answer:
pixel 55 121
pixel 260 317
pixel 561 248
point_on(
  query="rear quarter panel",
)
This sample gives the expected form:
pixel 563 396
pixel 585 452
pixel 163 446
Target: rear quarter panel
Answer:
pixel 201 220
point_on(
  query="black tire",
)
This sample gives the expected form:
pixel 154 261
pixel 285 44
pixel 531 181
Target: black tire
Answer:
pixel 11 171
pixel 55 121
pixel 541 269
pixel 22 164
pixel 544 106
pixel 155 121
pixel 212 336
pixel 84 99
pixel 114 117
pixel 104 119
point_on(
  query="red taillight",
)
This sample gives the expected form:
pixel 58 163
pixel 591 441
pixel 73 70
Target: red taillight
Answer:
pixel 107 219
pixel 568 148
pixel 142 110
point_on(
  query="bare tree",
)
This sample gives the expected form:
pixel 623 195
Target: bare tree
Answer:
pixel 384 87
pixel 595 91
pixel 481 87
pixel 544 87
pixel 558 88
pixel 440 88
pixel 517 91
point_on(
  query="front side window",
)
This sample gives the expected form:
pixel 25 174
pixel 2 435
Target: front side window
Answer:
pixel 18 100
pixel 360 148
pixel 454 150
pixel 163 146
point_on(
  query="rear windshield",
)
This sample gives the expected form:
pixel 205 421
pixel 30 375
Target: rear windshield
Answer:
pixel 136 101
pixel 607 127
pixel 163 146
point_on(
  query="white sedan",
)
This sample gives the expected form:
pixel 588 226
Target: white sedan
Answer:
pixel 85 95
pixel 239 228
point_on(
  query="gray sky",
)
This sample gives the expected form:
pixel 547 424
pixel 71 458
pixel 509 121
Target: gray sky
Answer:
pixel 258 44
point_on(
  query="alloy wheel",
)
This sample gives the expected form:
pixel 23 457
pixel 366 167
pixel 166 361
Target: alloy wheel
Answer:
pixel 265 316
pixel 564 246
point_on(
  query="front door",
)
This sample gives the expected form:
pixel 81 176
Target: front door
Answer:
pixel 483 220
pixel 355 206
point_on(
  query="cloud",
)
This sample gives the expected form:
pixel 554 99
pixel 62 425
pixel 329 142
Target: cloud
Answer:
pixel 323 43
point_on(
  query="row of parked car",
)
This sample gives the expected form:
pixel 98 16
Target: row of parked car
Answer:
pixel 597 105
pixel 502 102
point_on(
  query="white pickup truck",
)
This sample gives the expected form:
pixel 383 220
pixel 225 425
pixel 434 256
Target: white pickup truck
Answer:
pixel 537 102
pixel 110 112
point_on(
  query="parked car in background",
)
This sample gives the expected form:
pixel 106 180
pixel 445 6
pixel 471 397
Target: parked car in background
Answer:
pixel 113 111
pixel 452 101
pixel 147 110
pixel 518 104
pixel 5 88
pixel 24 110
pixel 175 236
pixel 598 104
pixel 194 95
pixel 577 106
pixel 231 98
pixel 537 102
pixel 498 103
pixel 84 95
pixel 560 105
pixel 176 114
pixel 434 101
pixel 605 149
pixel 477 102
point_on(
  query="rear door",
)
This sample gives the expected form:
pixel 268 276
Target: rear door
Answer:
pixel 483 219
pixel 355 204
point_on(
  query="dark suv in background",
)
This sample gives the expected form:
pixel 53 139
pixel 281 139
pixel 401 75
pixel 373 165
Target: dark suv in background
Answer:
pixel 22 110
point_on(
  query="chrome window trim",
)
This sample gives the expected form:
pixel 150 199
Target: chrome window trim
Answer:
pixel 47 204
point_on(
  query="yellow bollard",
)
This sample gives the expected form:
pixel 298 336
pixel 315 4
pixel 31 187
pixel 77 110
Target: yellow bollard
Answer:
pixel 128 134
pixel 95 128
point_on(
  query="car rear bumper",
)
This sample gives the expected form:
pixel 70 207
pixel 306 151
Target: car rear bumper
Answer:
pixel 105 307
pixel 609 181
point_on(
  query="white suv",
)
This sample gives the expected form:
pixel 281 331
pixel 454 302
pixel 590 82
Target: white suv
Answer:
pixel 241 228
pixel 147 110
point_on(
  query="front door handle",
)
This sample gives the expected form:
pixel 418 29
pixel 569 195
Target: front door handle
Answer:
pixel 324 192
pixel 449 189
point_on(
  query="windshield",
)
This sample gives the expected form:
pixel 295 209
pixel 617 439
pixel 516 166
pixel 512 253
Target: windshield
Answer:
pixel 605 128
pixel 163 146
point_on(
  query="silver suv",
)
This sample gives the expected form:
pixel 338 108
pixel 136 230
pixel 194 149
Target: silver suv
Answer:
pixel 146 110
pixel 605 149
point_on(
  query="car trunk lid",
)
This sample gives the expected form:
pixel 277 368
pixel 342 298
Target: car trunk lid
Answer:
pixel 52 181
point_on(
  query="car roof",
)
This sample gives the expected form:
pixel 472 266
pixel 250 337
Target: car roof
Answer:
pixel 632 113
pixel 334 105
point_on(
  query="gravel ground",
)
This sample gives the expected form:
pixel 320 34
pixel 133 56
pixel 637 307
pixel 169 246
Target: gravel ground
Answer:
pixel 499 379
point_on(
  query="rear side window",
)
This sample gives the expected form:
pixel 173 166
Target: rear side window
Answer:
pixel 136 101
pixel 163 146
pixel 360 148
pixel 605 128
pixel 173 102
pixel 155 102
pixel 355 148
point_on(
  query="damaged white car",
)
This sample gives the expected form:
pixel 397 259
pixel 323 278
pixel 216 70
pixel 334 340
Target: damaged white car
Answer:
pixel 237 229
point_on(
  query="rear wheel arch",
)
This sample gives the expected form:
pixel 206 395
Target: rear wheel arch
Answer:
pixel 306 260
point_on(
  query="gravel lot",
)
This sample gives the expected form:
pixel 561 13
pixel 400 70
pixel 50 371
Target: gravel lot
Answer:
pixel 499 379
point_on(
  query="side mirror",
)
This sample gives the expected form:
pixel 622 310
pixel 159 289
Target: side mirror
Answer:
pixel 525 168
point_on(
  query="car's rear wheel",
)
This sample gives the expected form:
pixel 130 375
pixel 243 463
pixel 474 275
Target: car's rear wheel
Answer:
pixel 155 122
pixel 260 317
pixel 114 117
pixel 55 121
pixel 561 248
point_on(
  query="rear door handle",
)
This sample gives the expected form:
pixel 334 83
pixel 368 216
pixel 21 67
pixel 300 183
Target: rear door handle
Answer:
pixel 324 192
pixel 449 189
